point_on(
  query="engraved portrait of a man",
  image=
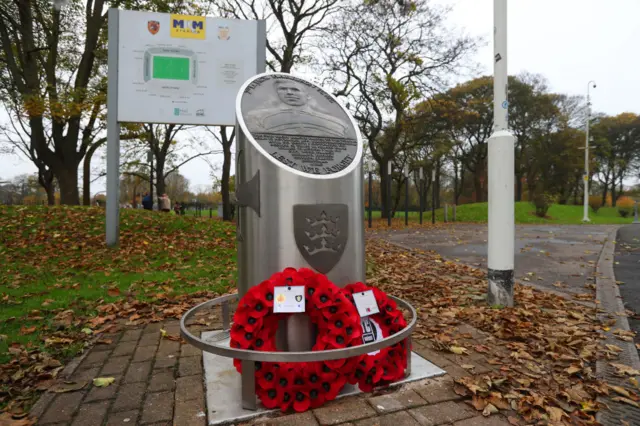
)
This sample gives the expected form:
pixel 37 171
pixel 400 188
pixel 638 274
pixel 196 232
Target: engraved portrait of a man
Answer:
pixel 294 112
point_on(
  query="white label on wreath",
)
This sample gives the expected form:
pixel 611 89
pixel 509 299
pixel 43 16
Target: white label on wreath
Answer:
pixel 366 303
pixel 371 332
pixel 288 299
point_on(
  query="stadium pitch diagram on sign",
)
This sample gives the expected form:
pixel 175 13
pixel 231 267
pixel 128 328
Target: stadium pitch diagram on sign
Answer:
pixel 182 69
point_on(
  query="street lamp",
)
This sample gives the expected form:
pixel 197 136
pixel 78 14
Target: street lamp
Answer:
pixel 585 217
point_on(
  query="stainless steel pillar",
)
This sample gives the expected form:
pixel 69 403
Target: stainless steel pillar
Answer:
pixel 288 217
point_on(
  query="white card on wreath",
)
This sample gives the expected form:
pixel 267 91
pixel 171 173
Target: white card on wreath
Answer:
pixel 288 299
pixel 366 303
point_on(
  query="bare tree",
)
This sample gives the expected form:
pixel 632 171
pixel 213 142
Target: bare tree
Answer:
pixel 383 58
pixel 226 140
pixel 169 153
pixel 290 25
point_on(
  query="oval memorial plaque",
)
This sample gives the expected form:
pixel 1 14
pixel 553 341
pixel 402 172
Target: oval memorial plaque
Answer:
pixel 299 124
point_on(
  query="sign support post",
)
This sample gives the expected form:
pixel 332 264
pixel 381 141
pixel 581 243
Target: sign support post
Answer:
pixel 113 135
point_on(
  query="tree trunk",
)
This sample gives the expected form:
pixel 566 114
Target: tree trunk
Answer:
pixel 605 191
pixel 86 172
pixel 398 195
pixel 45 178
pixel 160 177
pixel 383 188
pixel 518 187
pixel 224 186
pixel 478 186
pixel 68 181
pixel 455 183
pixel 437 184
pixel 614 195
pixel 51 195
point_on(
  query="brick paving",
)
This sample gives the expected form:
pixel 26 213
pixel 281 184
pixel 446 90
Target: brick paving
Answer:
pixel 157 382
pixel 428 402
pixel 160 382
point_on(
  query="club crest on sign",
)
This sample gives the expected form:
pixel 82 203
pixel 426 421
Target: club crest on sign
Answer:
pixel 321 232
pixel 153 27
pixel 298 298
pixel 223 33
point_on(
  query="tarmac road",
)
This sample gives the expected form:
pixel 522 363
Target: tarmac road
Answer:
pixel 627 270
pixel 561 258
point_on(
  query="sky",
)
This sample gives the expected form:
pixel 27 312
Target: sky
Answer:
pixel 570 42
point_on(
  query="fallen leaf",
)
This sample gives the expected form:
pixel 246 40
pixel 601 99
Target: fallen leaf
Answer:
pixel 67 386
pixel 63 319
pixel 555 414
pixel 6 419
pixel 27 330
pixel 622 369
pixel 513 421
pixel 625 401
pixel 614 348
pixel 478 402
pixel 113 292
pixel 489 410
pixel 103 381
pixel 458 350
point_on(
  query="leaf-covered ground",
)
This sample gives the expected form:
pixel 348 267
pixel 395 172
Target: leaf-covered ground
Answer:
pixel 543 350
pixel 60 288
pixel 58 275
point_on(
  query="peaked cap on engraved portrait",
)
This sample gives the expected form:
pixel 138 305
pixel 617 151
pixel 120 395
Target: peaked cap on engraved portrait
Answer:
pixel 293 112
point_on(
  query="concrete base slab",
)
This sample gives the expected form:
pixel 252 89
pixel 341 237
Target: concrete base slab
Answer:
pixel 224 399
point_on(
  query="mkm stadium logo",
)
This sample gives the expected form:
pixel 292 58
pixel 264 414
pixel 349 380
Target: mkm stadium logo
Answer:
pixel 185 26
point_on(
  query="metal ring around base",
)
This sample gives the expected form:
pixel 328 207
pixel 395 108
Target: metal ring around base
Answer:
pixel 327 355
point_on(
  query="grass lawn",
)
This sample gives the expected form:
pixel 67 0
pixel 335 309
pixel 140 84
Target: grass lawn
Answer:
pixel 55 259
pixel 524 212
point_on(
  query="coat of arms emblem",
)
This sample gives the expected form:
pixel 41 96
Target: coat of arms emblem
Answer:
pixel 223 33
pixel 321 232
pixel 153 27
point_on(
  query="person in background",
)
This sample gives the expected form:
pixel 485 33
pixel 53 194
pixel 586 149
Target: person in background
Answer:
pixel 147 203
pixel 164 203
pixel 176 208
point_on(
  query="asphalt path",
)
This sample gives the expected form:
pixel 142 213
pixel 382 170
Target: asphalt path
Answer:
pixel 560 258
pixel 627 270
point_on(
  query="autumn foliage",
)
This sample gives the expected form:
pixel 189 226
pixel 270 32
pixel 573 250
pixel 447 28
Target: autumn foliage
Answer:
pixel 595 202
pixel 625 206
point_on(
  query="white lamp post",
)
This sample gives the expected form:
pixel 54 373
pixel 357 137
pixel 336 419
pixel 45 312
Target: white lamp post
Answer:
pixel 501 167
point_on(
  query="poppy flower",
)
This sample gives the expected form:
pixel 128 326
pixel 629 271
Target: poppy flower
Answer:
pixel 242 337
pixel 355 288
pixel 270 397
pixel 332 389
pixel 316 395
pixel 286 376
pixel 301 401
pixel 266 377
pixel 335 340
pixel 337 308
pixel 321 372
pixel 288 276
pixel 252 323
pixel 264 293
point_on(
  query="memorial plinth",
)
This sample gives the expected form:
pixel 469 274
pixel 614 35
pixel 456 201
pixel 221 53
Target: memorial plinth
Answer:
pixel 299 191
pixel 299 188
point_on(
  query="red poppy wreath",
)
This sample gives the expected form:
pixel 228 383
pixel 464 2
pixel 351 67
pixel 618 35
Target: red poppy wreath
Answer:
pixel 297 385
pixel 388 364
